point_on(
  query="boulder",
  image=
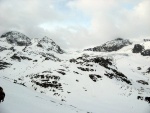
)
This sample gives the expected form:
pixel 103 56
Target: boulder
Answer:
pixel 2 94
pixel 137 48
pixel 146 52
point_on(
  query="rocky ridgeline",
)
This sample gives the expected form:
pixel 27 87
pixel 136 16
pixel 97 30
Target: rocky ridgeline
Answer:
pixel 19 58
pixel 19 39
pixel 2 48
pixel 44 81
pixel 107 63
pixel 49 44
pixel 4 65
pixel 110 46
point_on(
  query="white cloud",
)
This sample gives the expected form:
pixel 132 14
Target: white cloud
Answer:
pixel 110 18
pixel 77 23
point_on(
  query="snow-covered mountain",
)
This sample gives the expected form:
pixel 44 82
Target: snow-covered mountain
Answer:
pixel 115 78
pixel 48 44
pixel 110 46
pixel 17 38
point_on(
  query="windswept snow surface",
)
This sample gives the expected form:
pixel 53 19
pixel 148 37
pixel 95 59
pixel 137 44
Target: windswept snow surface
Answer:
pixel 20 99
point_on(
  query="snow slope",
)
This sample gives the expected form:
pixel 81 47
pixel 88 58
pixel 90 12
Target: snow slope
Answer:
pixel 20 99
pixel 85 81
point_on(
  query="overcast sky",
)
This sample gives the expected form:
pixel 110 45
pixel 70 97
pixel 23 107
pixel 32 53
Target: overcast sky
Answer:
pixel 77 24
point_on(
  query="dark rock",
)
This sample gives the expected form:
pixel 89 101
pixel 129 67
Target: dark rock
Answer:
pixel 34 60
pixel 61 72
pixel 142 82
pixel 138 68
pixel 118 75
pixel 85 69
pixel 72 60
pixel 17 57
pixel 77 80
pixel 101 61
pixel 146 52
pixel 44 81
pixel 12 48
pixel 49 56
pixel 25 58
pixel 39 45
pixel 4 65
pixel 49 45
pixel 146 40
pixel 110 46
pixel 137 48
pixel 148 70
pixel 140 97
pixel 94 77
pixel 147 99
pixel 2 95
pixel 76 72
pixel 2 48
pixel 17 38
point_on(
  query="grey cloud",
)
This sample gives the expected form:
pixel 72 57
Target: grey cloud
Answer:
pixel 109 20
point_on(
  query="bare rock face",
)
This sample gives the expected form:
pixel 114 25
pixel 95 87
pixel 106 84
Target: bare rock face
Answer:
pixel 146 52
pixel 137 48
pixel 113 45
pixel 147 99
pixel 4 64
pixel 2 48
pixel 2 94
pixel 17 38
pixel 49 45
pixel 142 82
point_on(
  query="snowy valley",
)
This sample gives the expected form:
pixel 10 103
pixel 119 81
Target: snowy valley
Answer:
pixel 41 77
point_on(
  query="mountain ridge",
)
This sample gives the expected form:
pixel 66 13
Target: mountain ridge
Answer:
pixel 18 39
pixel 110 46
pixel 93 81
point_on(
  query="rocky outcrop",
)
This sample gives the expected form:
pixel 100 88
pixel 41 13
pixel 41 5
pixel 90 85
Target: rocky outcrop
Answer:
pixel 148 70
pixel 104 62
pixel 142 82
pixel 147 99
pixel 49 56
pixel 146 52
pixel 137 48
pixel 110 46
pixel 46 80
pixel 94 77
pixel 4 65
pixel 2 48
pixel 49 45
pixel 2 94
pixel 17 38
pixel 19 58
pixel 118 75
pixel 85 69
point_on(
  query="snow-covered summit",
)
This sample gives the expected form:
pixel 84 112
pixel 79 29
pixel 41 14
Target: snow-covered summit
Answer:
pixel 17 38
pixel 21 42
pixel 49 44
pixel 112 45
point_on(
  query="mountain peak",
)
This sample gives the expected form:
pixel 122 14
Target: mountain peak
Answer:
pixel 49 44
pixel 17 38
pixel 110 46
pixel 119 39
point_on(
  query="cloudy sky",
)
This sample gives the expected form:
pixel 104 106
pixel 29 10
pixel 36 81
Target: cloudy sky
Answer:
pixel 77 24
